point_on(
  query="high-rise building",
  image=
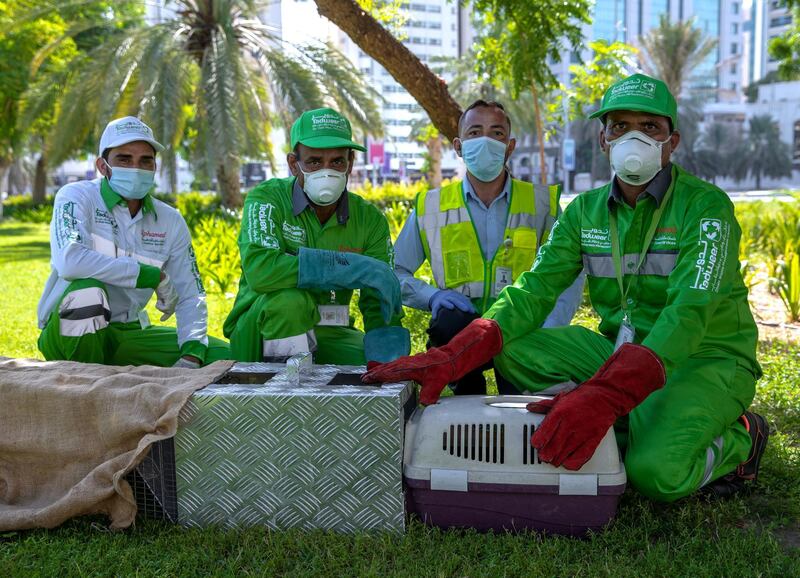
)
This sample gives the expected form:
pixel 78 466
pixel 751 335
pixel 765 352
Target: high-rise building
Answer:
pixel 433 29
pixel 719 75
pixel 768 20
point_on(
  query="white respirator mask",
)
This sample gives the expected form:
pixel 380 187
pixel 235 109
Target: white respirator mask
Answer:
pixel 325 186
pixel 635 157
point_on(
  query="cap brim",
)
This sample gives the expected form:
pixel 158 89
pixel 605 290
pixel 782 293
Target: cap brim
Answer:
pixel 331 142
pixel 634 107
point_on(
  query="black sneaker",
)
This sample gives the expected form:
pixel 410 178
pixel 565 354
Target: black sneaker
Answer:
pixel 758 428
pixel 746 474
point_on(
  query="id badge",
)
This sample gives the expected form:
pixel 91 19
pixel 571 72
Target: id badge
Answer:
pixel 144 319
pixel 338 315
pixel 626 333
pixel 502 279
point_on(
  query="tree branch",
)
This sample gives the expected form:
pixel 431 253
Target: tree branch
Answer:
pixel 427 88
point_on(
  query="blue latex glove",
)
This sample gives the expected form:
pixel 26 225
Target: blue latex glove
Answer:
pixel 450 300
pixel 332 270
pixel 387 344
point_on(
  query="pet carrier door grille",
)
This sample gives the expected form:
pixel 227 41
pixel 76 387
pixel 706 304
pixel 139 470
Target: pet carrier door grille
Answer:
pixel 478 442
pixel 529 453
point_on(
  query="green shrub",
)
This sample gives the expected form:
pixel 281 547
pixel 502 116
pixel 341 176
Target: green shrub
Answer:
pixel 22 208
pixel 195 206
pixel 214 240
pixel 786 282
pixel 390 192
pixel 396 214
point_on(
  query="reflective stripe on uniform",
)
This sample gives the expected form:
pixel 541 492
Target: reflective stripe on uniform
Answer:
pixel 711 459
pixel 84 311
pixel 517 220
pixel 656 263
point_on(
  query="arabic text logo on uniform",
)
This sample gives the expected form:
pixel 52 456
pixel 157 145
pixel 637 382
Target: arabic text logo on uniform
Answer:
pixel 634 87
pixel 327 121
pixel 712 254
pixel 135 127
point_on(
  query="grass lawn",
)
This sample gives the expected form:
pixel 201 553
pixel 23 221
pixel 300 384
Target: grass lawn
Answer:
pixel 758 535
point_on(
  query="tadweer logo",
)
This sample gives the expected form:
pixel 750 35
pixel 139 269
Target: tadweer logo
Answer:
pixel 328 121
pixel 131 126
pixel 711 229
pixel 634 87
pixel 710 262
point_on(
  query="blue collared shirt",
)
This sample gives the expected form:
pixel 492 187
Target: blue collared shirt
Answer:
pixel 490 224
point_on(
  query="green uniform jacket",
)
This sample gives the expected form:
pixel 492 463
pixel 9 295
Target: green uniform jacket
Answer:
pixel 271 236
pixel 688 299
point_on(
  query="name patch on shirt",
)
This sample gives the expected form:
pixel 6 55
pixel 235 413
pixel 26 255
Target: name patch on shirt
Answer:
pixel 154 238
pixel 595 238
pixel 666 238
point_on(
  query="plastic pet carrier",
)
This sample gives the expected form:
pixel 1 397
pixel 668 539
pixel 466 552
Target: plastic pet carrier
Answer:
pixel 468 463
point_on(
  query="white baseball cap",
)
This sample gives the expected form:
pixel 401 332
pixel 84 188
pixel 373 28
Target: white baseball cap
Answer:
pixel 124 130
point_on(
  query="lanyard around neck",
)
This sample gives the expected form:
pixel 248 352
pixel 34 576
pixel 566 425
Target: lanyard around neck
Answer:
pixel 616 255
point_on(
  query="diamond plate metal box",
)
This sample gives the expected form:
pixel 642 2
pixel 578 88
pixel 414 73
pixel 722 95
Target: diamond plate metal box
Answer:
pixel 321 452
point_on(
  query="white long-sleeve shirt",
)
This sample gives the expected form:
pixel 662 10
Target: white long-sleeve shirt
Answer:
pixel 92 237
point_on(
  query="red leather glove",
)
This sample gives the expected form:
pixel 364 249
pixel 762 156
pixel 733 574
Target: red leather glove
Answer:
pixel 471 348
pixel 577 420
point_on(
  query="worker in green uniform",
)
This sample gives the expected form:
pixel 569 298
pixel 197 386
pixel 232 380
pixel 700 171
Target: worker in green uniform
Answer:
pixel 676 343
pixel 306 243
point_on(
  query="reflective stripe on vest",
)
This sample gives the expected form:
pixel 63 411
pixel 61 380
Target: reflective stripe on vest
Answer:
pixel 452 247
pixel 659 263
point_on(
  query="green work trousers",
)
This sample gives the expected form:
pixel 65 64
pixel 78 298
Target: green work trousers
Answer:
pixel 115 343
pixel 680 438
pixel 289 312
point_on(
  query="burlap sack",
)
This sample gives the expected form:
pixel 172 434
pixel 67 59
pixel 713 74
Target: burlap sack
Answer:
pixel 70 431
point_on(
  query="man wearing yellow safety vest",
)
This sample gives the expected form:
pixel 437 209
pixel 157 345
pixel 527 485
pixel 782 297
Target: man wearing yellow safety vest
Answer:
pixel 674 363
pixel 479 235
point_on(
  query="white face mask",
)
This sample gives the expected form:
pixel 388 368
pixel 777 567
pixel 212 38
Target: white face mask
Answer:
pixel 325 186
pixel 636 157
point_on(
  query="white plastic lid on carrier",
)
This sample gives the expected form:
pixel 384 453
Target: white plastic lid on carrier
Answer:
pixel 469 463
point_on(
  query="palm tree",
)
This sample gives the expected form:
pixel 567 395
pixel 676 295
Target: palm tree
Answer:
pixel 766 154
pixel 217 60
pixel 716 154
pixel 672 50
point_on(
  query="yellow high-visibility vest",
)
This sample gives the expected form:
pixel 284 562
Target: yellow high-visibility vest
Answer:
pixel 454 252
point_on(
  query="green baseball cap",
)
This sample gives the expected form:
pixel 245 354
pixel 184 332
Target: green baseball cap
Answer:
pixel 642 93
pixel 323 128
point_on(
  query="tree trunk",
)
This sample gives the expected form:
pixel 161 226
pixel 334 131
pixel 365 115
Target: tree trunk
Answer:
pixel 228 182
pixel 4 165
pixel 435 161
pixel 758 179
pixel 539 134
pixel 40 179
pixel 427 88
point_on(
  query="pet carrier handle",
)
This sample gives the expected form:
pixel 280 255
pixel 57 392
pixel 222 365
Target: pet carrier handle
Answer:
pixel 513 401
